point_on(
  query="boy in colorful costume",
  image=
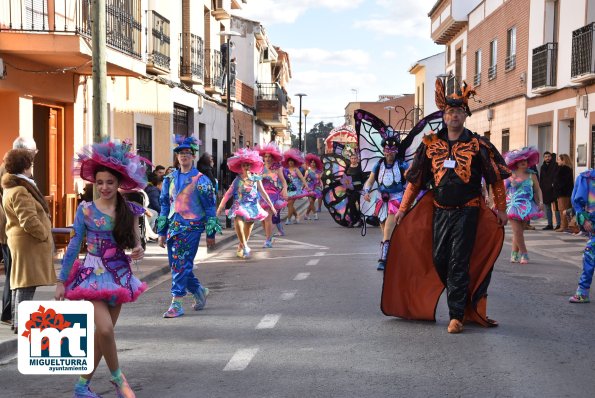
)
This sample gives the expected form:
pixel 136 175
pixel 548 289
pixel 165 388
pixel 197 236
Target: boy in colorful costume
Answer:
pixel 453 162
pixel 583 202
pixel 188 202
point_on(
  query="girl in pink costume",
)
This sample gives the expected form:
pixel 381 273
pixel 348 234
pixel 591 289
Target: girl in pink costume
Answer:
pixel 246 190
pixel 297 186
pixel 275 185
pixel 104 277
pixel 312 176
pixel 524 201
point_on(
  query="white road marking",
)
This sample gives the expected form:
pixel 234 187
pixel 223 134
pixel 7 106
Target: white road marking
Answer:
pixel 301 276
pixel 241 359
pixel 314 261
pixel 289 295
pixel 319 253
pixel 268 321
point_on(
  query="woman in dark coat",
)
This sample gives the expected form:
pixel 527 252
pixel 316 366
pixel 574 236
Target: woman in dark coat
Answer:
pixel 546 183
pixel 563 185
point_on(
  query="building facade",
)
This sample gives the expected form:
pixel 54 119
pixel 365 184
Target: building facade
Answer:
pixel 425 71
pixel 395 110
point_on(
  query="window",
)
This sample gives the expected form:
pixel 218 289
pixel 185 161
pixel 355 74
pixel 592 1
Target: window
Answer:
pixel 447 54
pixel 487 135
pixel 182 120
pixel 493 59
pixel 159 41
pixel 477 77
pixel 144 141
pixel 510 62
pixel 552 21
pixel 590 11
pixel 505 141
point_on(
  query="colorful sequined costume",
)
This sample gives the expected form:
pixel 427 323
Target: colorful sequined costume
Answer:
pixel 583 202
pixel 187 209
pixel 312 177
pixel 295 187
pixel 273 187
pixel 105 273
pixel 520 204
pixel 391 185
pixel 246 199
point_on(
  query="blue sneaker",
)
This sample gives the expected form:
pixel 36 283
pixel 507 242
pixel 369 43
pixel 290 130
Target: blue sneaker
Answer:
pixel 84 391
pixel 268 243
pixel 200 298
pixel 175 310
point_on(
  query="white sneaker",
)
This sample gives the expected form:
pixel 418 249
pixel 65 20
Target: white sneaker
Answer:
pixel 316 216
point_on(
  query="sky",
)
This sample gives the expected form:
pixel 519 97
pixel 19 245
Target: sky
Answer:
pixel 346 50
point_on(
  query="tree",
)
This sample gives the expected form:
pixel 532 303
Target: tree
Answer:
pixel 319 130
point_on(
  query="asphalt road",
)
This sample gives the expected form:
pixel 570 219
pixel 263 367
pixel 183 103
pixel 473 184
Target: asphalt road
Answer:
pixel 303 320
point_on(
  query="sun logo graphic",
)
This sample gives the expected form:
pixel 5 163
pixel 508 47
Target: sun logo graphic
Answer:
pixel 56 337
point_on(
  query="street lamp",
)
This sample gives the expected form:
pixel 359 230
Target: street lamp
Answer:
pixel 300 123
pixel 389 108
pixel 305 112
pixel 355 91
pixel 228 34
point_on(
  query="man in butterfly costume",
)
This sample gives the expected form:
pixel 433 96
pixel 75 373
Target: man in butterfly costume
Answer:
pixel 452 162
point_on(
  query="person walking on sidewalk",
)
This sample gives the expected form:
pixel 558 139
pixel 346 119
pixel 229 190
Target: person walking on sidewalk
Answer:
pixel 187 210
pixel 523 198
pixel 104 277
pixel 247 191
pixel 546 183
pixel 563 186
pixel 583 203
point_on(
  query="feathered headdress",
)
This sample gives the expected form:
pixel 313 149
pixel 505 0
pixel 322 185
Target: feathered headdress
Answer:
pixel 314 158
pixel 272 149
pixel 295 155
pixel 245 155
pixel 186 143
pixel 528 153
pixel 458 99
pixel 115 155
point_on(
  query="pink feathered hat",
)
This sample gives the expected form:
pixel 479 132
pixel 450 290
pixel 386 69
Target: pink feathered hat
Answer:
pixel 295 155
pixel 528 153
pixel 245 155
pixel 116 156
pixel 272 149
pixel 312 157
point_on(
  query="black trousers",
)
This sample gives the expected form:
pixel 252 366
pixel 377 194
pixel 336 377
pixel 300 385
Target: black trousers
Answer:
pixel 454 237
pixel 6 294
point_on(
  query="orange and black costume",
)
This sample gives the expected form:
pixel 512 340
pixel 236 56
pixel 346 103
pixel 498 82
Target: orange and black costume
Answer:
pixel 456 238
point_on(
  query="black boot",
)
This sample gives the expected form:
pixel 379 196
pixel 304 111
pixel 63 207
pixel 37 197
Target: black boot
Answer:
pixel 383 253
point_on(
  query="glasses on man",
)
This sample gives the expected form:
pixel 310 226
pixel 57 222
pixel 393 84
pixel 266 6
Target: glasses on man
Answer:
pixel 455 112
pixel 185 153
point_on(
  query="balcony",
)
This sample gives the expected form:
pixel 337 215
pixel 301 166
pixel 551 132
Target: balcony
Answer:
pixel 214 72
pixel 158 55
pixel 57 33
pixel 583 54
pixel 492 70
pixel 510 62
pixel 192 59
pixel 446 25
pixel 544 68
pixel 221 10
pixel 271 105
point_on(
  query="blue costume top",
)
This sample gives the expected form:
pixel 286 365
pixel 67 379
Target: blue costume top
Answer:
pixel 187 201
pixel 390 177
pixel 583 197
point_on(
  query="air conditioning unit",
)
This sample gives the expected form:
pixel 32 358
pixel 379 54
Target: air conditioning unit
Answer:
pixel 583 103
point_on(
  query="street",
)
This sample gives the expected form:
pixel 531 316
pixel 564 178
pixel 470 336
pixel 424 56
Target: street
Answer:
pixel 303 320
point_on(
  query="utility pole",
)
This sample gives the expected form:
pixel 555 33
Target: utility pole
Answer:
pixel 98 42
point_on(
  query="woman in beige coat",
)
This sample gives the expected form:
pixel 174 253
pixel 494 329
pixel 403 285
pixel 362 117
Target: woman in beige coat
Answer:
pixel 28 229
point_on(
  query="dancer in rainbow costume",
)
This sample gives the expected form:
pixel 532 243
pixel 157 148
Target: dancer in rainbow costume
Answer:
pixel 583 202
pixel 312 176
pixel 187 210
pixel 246 191
pixel 297 186
pixel 275 186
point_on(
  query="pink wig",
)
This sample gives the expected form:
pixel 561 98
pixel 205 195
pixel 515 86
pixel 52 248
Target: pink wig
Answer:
pixel 312 157
pixel 245 155
pixel 272 149
pixel 528 153
pixel 294 155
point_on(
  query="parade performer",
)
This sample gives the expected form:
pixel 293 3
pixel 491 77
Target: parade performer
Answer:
pixel 466 236
pixel 246 191
pixel 583 202
pixel 523 198
pixel 110 225
pixel 188 202
pixel 312 176
pixel 275 186
pixel 296 183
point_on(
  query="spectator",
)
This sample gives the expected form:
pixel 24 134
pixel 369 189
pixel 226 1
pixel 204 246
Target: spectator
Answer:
pixel 170 170
pixel 563 185
pixel 205 166
pixel 159 170
pixel 153 190
pixel 28 230
pixel 546 183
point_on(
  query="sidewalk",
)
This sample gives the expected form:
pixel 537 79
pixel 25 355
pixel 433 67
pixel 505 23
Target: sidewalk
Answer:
pixel 153 266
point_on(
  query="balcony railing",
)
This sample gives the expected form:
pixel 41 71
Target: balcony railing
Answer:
pixel 270 92
pixel 214 68
pixel 159 42
pixel 193 61
pixel 583 51
pixel 545 60
pixel 492 72
pixel 510 62
pixel 123 26
pixel 477 79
